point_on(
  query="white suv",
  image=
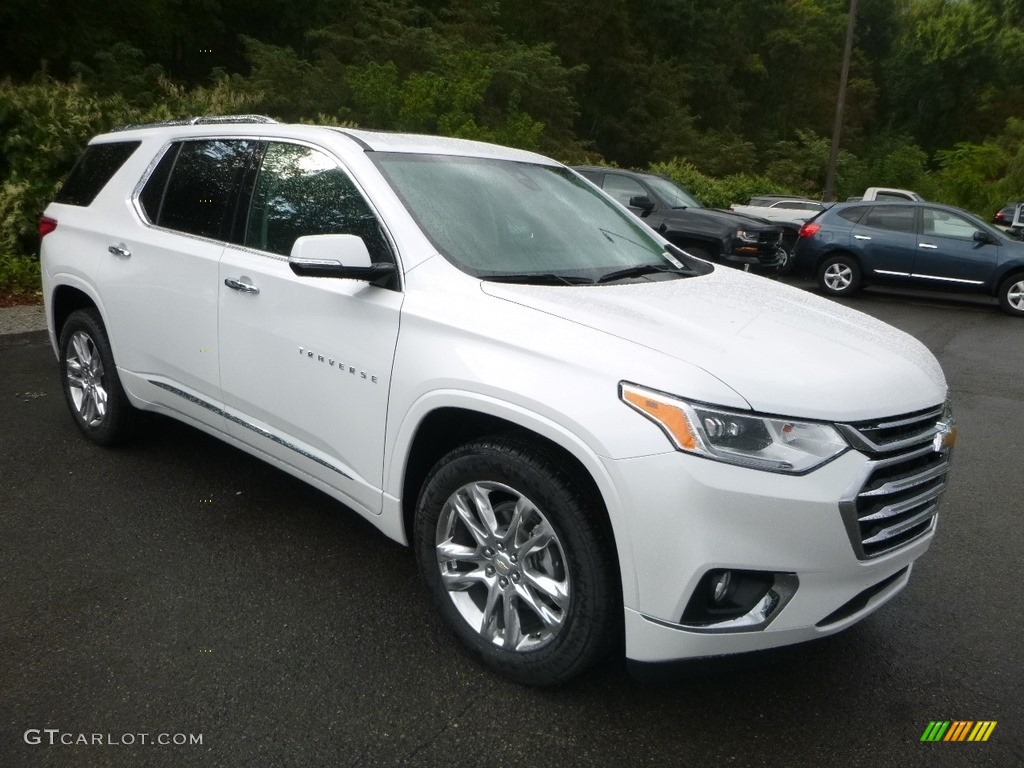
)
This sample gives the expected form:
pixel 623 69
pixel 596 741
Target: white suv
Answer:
pixel 585 433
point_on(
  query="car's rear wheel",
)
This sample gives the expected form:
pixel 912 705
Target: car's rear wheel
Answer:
pixel 89 378
pixel 839 275
pixel 518 561
pixel 1011 294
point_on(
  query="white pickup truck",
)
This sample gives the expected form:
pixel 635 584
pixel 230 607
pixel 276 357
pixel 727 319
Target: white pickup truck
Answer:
pixel 886 194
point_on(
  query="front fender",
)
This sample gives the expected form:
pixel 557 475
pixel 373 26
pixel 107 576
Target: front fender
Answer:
pixel 398 450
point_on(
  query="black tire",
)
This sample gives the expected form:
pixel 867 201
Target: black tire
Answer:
pixel 839 275
pixel 90 382
pixel 1011 295
pixel 495 580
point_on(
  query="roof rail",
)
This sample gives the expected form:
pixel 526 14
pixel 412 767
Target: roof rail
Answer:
pixel 200 120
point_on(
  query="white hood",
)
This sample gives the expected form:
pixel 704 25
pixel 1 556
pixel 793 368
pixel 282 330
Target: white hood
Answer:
pixel 785 351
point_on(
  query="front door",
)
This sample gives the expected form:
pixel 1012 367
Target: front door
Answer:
pixel 947 253
pixel 306 362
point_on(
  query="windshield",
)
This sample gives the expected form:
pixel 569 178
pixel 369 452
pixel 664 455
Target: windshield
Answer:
pixel 674 197
pixel 503 219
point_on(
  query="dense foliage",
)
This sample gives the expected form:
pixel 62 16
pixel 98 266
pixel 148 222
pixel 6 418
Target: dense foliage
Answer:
pixel 731 99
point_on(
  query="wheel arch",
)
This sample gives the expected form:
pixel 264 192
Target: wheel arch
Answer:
pixel 450 421
pixel 1016 270
pixel 67 299
pixel 839 251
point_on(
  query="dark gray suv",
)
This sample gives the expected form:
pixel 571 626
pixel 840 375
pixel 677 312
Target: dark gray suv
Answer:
pixel 913 244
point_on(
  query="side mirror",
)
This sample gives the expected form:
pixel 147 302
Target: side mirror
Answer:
pixel 982 238
pixel 342 256
pixel 643 202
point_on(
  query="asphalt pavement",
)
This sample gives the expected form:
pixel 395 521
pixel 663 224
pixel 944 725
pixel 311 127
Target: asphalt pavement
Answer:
pixel 176 589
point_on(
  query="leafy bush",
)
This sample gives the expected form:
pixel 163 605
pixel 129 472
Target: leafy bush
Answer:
pixel 44 125
pixel 718 193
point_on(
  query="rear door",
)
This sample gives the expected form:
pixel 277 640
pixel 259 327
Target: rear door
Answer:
pixel 948 254
pixel 886 240
pixel 306 362
pixel 160 275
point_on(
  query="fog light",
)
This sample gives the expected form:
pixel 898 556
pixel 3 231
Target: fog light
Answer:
pixel 726 594
pixel 720 585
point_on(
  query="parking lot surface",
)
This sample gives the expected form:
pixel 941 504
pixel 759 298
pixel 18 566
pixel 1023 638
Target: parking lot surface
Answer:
pixel 179 588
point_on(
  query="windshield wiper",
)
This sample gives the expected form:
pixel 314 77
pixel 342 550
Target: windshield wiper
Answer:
pixel 538 278
pixel 643 269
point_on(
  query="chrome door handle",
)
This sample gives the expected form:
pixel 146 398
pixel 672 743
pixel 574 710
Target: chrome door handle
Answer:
pixel 861 237
pixel 928 245
pixel 120 250
pixel 236 284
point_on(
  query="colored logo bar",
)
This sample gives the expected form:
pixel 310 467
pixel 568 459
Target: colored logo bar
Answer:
pixel 958 730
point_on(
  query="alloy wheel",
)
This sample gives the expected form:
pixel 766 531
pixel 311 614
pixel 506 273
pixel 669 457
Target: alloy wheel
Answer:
pixel 503 566
pixel 86 387
pixel 838 276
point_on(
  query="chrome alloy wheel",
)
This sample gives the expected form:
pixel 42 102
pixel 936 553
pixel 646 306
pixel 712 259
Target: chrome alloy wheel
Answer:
pixel 503 566
pixel 85 379
pixel 838 276
pixel 1015 296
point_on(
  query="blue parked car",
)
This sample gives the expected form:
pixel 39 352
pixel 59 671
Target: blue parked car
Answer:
pixel 921 245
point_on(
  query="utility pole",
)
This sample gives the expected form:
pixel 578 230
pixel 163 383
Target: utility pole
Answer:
pixel 837 128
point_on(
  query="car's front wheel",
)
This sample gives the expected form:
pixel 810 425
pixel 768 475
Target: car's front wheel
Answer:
pixel 1011 294
pixel 786 260
pixel 839 275
pixel 89 377
pixel 518 560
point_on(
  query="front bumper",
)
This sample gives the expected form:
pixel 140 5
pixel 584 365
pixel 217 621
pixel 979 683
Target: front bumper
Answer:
pixel 763 255
pixel 687 516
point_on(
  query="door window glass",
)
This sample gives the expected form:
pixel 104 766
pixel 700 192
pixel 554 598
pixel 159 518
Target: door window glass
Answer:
pixel 897 218
pixel 200 196
pixel 622 188
pixel 301 191
pixel 944 224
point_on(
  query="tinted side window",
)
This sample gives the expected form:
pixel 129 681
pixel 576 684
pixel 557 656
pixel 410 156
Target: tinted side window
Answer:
pixel 852 214
pixel 622 187
pixel 897 218
pixel 96 166
pixel 201 193
pixel 301 191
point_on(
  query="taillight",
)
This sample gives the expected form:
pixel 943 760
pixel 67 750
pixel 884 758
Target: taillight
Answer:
pixel 809 230
pixel 46 226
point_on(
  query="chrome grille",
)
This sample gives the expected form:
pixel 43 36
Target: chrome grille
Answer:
pixel 896 500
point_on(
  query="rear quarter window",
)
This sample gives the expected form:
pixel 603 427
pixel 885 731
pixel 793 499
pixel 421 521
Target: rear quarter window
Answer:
pixel 96 166
pixel 853 215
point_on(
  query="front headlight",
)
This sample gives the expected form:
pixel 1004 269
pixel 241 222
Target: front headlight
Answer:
pixel 746 237
pixel 760 442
